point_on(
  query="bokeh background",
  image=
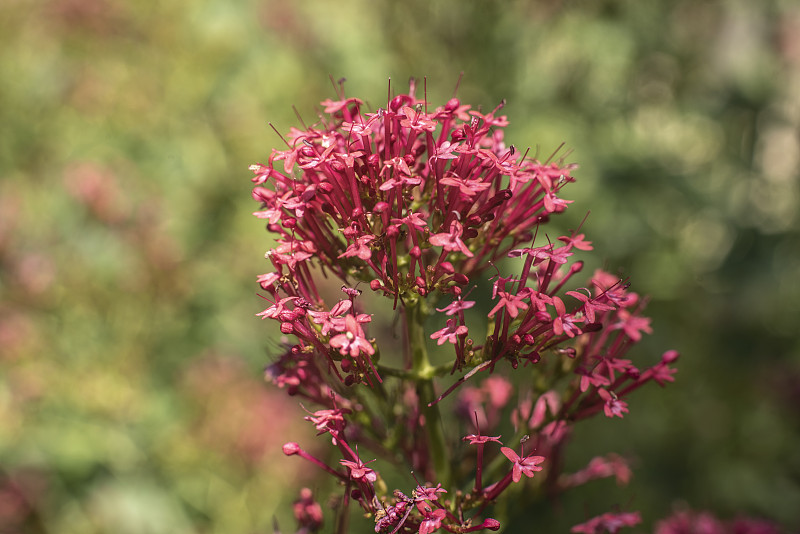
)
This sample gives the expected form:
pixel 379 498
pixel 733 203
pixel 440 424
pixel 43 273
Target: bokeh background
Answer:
pixel 131 390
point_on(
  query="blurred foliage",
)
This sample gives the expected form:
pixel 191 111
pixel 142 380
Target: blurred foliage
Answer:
pixel 130 393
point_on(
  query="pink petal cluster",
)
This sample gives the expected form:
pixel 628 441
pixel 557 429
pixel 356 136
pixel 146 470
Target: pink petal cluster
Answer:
pixel 415 204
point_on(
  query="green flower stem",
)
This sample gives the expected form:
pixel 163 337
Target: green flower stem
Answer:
pixel 423 373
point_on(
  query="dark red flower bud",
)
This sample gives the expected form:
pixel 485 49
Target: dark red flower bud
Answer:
pixel 415 252
pixel 670 356
pixel 375 285
pixel 474 220
pixel 491 524
pixel 452 105
pixel 381 207
pixel 460 279
pixel 291 448
pixel 447 267
pixel 399 101
pixel 287 328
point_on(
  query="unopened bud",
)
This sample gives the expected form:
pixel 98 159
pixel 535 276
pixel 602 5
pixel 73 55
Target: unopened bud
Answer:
pixel 670 356
pixel 380 207
pixel 291 448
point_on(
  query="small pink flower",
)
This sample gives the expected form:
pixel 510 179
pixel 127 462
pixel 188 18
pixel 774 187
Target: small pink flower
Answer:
pixel 632 325
pixel 608 522
pixel 613 406
pixel 456 306
pixel 451 241
pixel 360 248
pixel 512 304
pixel 480 439
pixel 359 470
pixel 527 465
pixel 450 332
pixel 352 341
pixel 307 511
pixel 432 522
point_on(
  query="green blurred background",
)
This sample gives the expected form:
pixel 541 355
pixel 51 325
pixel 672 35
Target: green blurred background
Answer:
pixel 131 396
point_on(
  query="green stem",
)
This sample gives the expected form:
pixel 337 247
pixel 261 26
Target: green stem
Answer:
pixel 423 373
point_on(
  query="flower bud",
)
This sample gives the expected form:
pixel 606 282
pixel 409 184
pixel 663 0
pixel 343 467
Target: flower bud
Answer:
pixel 291 448
pixel 670 356
pixel 452 105
pixel 491 524
pixel 399 101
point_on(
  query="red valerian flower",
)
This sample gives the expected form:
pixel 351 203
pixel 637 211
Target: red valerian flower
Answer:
pixel 352 341
pixel 450 332
pixel 608 522
pixel 527 465
pixel 359 470
pixel 307 511
pixel 457 306
pixel 632 325
pixel 613 406
pixel 451 241
pixel 432 522
pixel 512 304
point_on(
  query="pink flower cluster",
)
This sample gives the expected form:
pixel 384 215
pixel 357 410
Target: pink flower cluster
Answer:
pixel 419 205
